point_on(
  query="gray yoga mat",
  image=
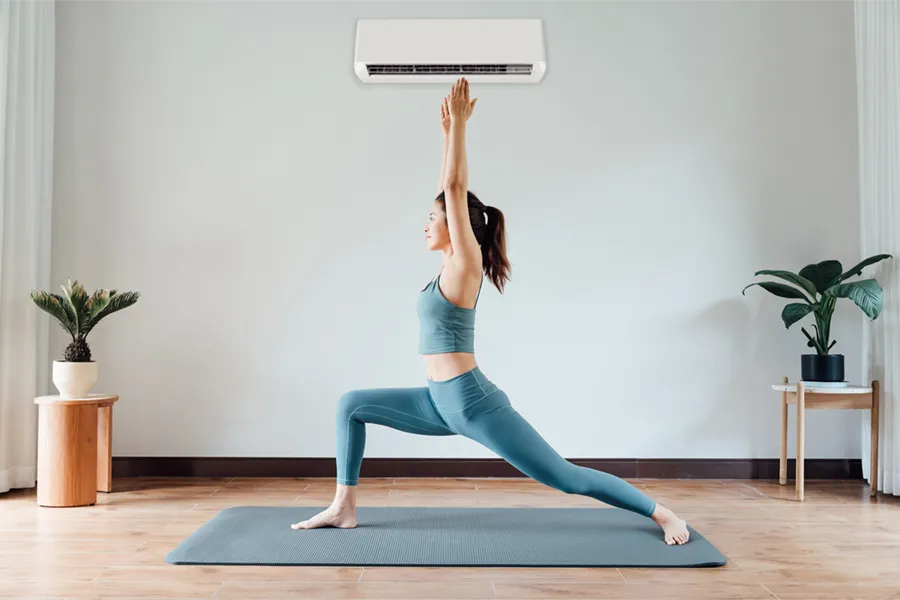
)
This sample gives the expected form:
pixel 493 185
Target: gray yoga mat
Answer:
pixel 442 536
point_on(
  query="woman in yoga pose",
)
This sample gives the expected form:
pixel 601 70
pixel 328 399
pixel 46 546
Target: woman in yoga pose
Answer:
pixel 459 399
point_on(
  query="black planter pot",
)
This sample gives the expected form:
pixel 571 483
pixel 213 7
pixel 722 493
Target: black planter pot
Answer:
pixel 815 367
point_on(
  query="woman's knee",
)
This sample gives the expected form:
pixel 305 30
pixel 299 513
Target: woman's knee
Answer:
pixel 571 481
pixel 348 403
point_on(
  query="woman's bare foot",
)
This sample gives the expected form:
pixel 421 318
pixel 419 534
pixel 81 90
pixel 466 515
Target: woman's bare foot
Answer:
pixel 674 529
pixel 343 517
pixel 341 513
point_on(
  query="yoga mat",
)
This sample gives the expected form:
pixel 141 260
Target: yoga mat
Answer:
pixel 442 536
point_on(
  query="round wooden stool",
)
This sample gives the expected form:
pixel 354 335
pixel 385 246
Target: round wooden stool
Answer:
pixel 72 465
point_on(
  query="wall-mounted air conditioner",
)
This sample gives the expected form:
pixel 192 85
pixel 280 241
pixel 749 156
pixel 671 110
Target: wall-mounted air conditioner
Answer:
pixel 442 50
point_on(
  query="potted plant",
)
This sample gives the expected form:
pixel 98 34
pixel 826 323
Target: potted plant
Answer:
pixel 818 287
pixel 78 313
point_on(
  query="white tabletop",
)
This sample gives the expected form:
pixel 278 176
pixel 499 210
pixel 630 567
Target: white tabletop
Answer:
pixel 812 388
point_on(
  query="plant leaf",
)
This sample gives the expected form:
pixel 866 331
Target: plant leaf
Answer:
pixel 797 280
pixel 857 270
pixel 96 303
pixel 116 303
pixel 794 312
pixel 68 307
pixel 55 306
pixel 866 293
pixel 779 289
pixel 823 275
pixel 78 299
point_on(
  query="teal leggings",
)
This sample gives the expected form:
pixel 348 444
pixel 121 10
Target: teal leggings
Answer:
pixel 472 406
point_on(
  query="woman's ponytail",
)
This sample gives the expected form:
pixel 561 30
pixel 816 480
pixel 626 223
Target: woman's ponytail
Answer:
pixel 493 249
pixel 489 227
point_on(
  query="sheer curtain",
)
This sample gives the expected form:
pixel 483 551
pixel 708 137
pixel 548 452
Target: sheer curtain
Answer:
pixel 27 47
pixel 878 105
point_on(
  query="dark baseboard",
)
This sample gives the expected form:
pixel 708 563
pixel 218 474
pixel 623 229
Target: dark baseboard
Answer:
pixel 651 468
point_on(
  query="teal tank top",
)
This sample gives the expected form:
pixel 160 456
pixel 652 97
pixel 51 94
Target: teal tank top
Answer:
pixel 443 326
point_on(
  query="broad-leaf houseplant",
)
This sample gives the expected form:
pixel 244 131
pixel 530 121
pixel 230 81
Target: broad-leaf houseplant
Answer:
pixel 818 287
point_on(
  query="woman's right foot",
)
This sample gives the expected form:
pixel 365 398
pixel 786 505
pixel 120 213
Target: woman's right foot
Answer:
pixel 343 517
pixel 675 530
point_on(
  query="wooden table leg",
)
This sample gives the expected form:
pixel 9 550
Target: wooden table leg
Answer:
pixel 801 418
pixel 782 461
pixel 873 448
pixel 104 449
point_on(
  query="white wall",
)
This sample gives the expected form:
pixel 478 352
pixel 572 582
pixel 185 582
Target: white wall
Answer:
pixel 222 159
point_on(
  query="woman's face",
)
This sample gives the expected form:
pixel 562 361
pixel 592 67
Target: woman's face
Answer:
pixel 437 236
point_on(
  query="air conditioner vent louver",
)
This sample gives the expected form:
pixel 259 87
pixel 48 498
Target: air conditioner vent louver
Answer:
pixel 449 69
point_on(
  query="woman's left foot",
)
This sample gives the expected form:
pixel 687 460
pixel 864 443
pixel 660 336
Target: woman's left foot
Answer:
pixel 674 529
pixel 336 515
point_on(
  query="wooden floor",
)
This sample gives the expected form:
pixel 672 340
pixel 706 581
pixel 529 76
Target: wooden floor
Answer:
pixel 838 544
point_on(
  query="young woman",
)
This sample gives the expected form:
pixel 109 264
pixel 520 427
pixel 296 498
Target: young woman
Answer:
pixel 459 399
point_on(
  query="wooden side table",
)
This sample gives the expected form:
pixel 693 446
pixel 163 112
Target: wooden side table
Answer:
pixel 809 397
pixel 74 449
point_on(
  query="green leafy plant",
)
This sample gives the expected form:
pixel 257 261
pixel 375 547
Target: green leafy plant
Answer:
pixel 79 313
pixel 819 286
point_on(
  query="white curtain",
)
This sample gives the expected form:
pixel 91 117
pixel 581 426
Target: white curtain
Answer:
pixel 27 46
pixel 878 106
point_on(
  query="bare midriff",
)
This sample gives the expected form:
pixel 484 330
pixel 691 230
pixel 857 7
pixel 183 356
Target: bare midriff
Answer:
pixel 441 367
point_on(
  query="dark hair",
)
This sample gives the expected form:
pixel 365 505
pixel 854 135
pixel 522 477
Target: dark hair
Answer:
pixel 489 228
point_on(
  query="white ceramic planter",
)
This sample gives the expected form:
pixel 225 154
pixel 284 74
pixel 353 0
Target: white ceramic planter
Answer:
pixel 74 379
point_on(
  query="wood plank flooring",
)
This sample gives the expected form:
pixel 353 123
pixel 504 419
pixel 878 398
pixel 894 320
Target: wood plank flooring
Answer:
pixel 837 544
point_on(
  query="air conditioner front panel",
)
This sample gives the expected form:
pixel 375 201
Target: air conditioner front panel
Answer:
pixel 442 50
